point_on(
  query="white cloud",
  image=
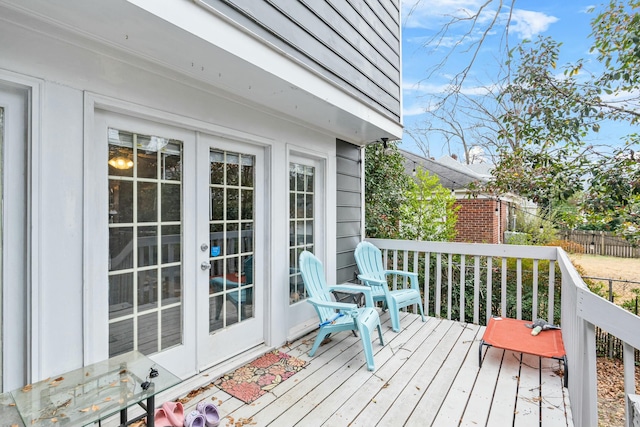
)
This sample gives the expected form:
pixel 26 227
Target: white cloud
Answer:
pixel 477 155
pixel 433 14
pixel 528 23
pixel 421 88
pixel 414 110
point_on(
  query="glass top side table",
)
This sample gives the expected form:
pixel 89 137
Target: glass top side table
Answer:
pixel 95 392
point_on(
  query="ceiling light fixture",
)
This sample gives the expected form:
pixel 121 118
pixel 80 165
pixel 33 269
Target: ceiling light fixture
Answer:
pixel 121 163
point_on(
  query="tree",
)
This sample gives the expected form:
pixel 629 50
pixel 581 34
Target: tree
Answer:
pixel 554 113
pixel 428 212
pixel 613 199
pixel 385 185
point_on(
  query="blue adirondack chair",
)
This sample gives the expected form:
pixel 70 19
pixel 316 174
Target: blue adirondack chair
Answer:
pixel 372 273
pixel 337 316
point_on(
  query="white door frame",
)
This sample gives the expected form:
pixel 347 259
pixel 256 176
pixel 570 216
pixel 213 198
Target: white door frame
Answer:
pixel 20 345
pixel 94 351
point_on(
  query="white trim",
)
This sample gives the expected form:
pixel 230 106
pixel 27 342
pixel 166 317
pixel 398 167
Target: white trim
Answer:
pixel 244 44
pixel 322 160
pixel 143 112
pixel 93 102
pixel 32 253
pixel 300 315
pixel 363 211
pixel 89 120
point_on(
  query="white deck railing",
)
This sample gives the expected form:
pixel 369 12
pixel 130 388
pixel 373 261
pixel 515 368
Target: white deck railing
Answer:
pixel 454 267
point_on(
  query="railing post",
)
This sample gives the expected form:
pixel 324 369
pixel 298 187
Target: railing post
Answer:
pixel 628 358
pixel 611 290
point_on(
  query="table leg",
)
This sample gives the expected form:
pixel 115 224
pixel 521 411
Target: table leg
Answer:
pixel 123 417
pixel 151 404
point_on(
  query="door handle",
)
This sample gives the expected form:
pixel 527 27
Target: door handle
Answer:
pixel 205 266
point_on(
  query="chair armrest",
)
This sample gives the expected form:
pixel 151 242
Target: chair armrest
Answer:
pixel 413 277
pixel 402 273
pixel 342 306
pixel 372 281
pixel 368 296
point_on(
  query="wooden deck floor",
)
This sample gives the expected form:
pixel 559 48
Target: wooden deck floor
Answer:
pixel 426 375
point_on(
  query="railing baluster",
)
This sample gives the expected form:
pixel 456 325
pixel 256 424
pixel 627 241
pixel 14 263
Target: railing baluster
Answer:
pixel 503 289
pixel 534 300
pixel 519 288
pixel 395 267
pixel 438 295
pixel 385 258
pixel 462 287
pixel 489 288
pixel 450 285
pixel 415 270
pixel 552 279
pixel 476 289
pixel 629 363
pixel 405 267
pixel 427 277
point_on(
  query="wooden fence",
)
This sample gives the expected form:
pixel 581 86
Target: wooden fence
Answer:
pixel 601 243
pixel 609 346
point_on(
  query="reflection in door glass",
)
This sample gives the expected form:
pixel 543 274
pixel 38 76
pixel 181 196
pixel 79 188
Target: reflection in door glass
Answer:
pixel 301 216
pixel 231 225
pixel 145 243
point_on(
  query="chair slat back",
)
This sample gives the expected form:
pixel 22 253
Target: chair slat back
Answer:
pixel 369 260
pixel 315 283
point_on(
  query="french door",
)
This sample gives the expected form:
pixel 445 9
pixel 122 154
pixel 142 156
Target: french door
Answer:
pixel 182 278
pixel 231 197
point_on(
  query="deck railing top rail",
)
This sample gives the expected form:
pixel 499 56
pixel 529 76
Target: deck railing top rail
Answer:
pixel 473 249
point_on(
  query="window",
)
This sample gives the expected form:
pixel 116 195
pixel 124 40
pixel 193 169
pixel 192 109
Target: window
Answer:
pixel 145 243
pixel 231 228
pixel 301 223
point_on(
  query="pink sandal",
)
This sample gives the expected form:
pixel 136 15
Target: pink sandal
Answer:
pixel 160 418
pixel 175 412
pixel 210 412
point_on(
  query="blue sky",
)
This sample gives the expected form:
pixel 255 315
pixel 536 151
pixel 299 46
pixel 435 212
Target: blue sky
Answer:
pixel 566 21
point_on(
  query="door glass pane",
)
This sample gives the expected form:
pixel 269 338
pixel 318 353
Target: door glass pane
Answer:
pixel 301 213
pixel 231 225
pixel 145 243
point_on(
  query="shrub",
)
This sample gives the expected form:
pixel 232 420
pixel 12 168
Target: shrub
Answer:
pixel 568 246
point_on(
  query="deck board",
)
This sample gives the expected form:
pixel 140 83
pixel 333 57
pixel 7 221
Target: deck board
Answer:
pixel 504 398
pixel 350 398
pixel 435 396
pixel 397 401
pixel 426 375
pixel 528 399
pixel 453 407
pixel 553 395
pixel 481 396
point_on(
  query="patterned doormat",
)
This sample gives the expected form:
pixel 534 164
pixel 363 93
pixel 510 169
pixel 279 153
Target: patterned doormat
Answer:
pixel 254 379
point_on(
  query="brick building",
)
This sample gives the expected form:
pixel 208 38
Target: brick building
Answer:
pixel 482 218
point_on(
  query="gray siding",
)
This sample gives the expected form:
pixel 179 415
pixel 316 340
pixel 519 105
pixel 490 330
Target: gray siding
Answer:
pixel 353 43
pixel 349 208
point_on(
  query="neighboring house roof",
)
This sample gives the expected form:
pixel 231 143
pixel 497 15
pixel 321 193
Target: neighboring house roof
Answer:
pixel 481 168
pixel 452 174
